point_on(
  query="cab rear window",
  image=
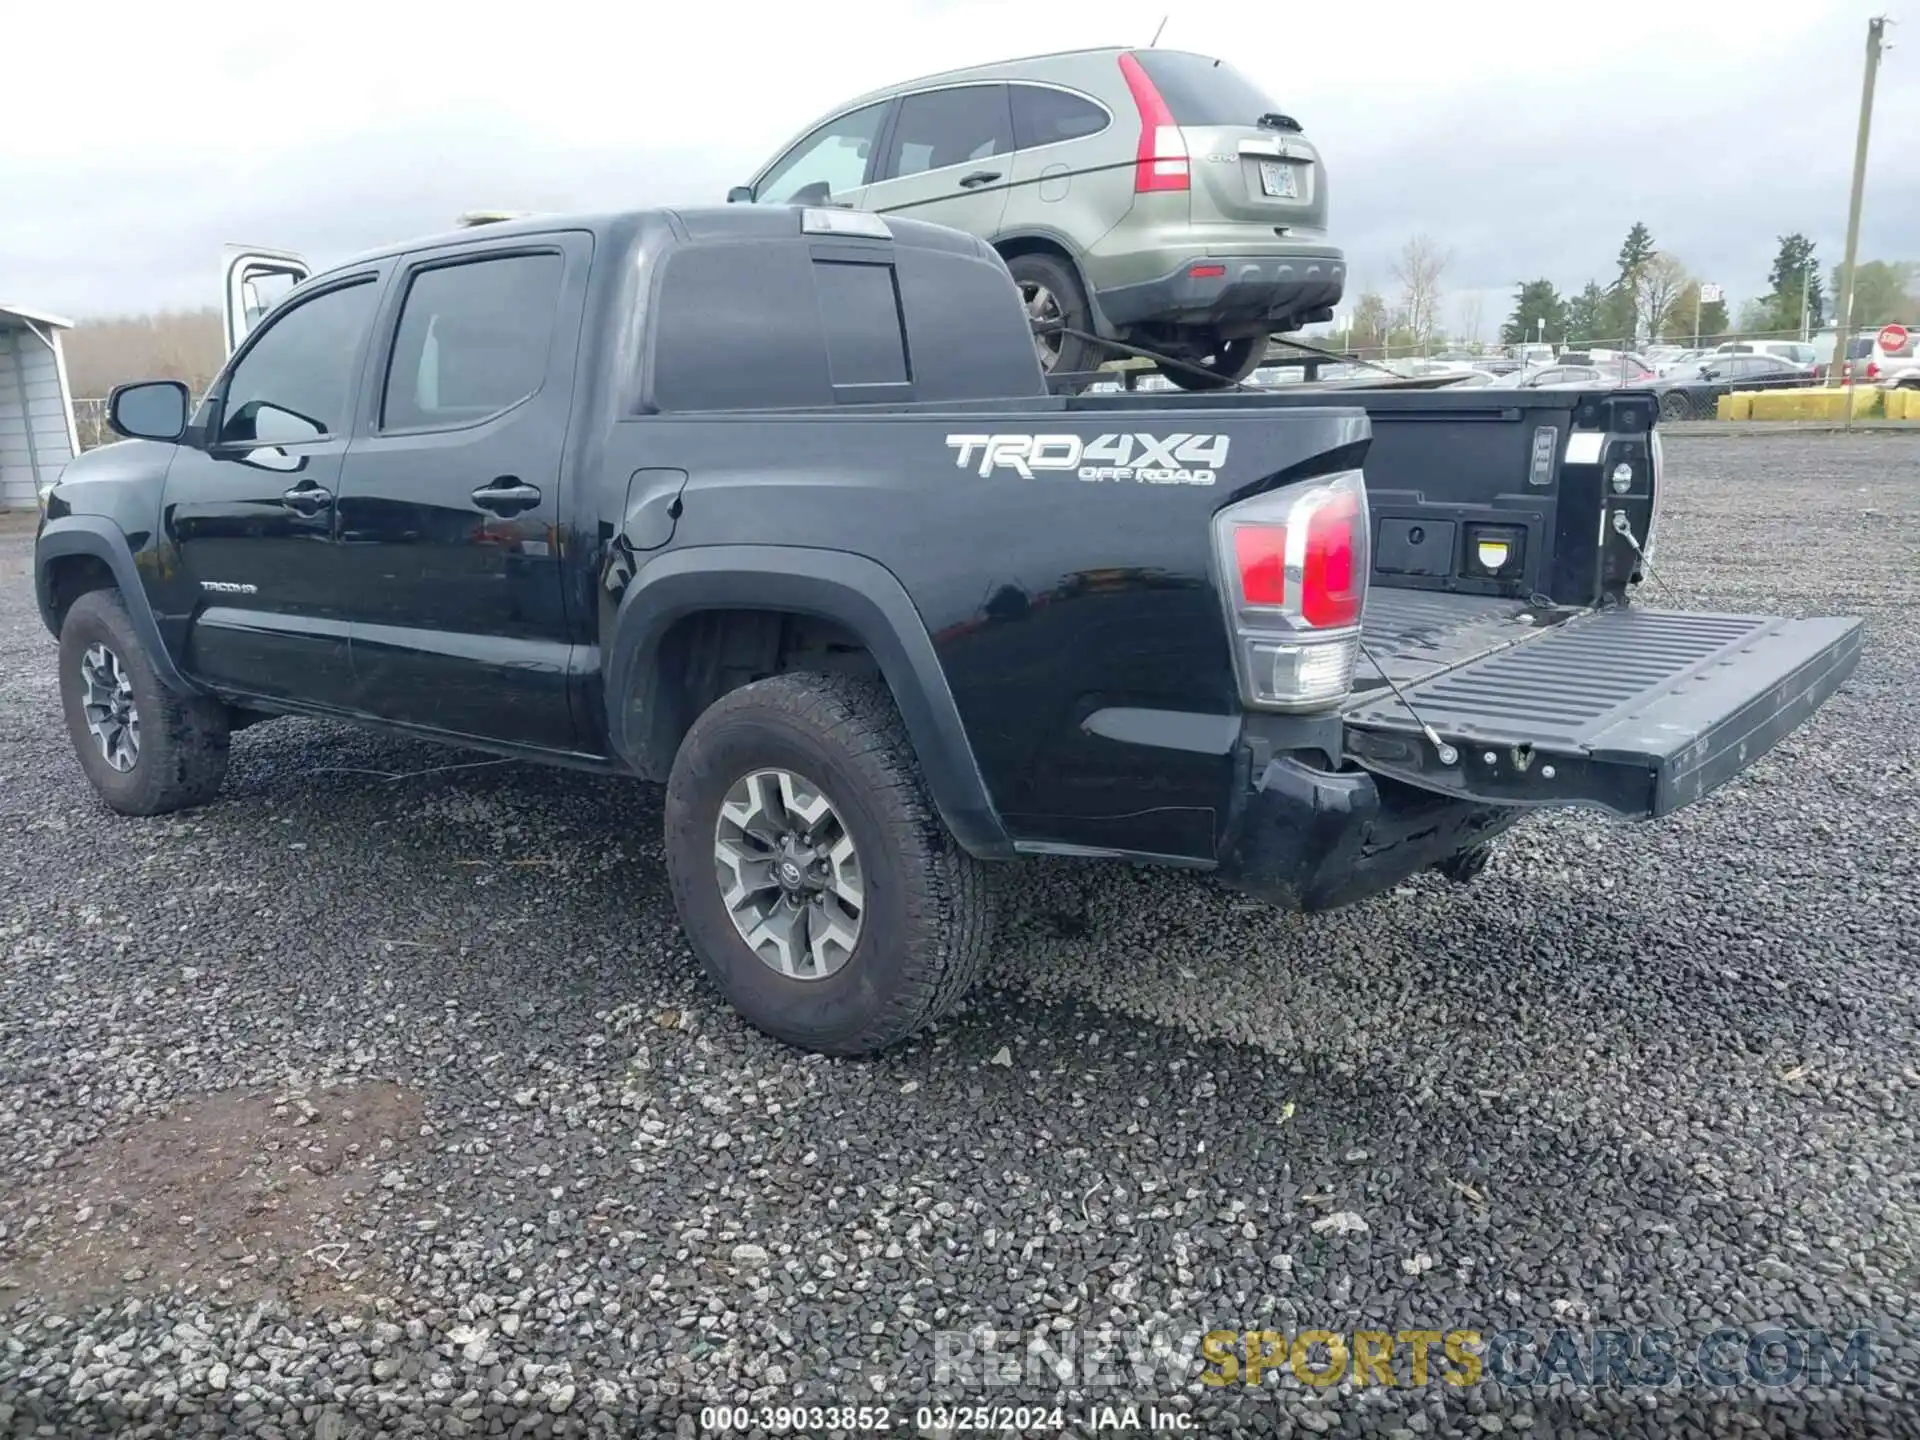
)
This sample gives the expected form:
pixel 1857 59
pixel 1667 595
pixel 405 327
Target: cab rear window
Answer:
pixel 784 324
pixel 1200 91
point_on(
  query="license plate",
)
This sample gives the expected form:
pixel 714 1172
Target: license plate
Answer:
pixel 1279 179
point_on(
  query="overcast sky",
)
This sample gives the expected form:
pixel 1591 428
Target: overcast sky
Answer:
pixel 1525 137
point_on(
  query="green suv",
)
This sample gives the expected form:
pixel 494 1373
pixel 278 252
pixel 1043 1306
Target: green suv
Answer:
pixel 1149 196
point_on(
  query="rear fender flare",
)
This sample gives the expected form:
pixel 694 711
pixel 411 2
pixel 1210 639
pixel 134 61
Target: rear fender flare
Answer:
pixel 99 537
pixel 850 590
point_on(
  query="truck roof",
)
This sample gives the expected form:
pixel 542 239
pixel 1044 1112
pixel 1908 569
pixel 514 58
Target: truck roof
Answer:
pixel 698 222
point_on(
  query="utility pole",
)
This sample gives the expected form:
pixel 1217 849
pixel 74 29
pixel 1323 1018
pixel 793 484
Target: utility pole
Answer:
pixel 1843 331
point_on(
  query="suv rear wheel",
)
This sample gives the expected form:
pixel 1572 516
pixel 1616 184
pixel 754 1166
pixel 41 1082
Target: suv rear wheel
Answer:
pixel 816 882
pixel 1227 363
pixel 145 750
pixel 1054 299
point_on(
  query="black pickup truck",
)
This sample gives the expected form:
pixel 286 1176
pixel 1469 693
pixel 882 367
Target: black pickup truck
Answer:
pixel 773 505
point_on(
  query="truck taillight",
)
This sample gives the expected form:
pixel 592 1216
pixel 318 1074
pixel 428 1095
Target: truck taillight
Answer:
pixel 1293 576
pixel 1161 161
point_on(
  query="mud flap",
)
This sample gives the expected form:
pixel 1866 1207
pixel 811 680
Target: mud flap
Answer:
pixel 1637 712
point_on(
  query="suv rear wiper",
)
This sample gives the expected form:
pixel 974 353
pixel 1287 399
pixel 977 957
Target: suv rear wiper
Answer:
pixel 1274 120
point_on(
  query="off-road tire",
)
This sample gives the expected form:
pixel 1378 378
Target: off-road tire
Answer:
pixel 183 739
pixel 927 917
pixel 1056 276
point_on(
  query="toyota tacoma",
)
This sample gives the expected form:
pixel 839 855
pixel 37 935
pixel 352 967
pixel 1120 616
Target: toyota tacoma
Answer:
pixel 772 504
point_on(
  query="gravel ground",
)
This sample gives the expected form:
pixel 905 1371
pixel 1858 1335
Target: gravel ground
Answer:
pixel 371 1101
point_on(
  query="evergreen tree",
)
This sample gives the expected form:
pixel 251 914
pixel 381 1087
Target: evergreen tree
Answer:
pixel 1583 316
pixel 1535 302
pixel 1795 276
pixel 1619 317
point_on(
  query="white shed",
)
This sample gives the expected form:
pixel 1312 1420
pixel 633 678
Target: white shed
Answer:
pixel 37 436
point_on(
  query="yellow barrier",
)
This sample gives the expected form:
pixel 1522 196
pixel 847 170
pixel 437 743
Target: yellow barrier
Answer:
pixel 1811 404
pixel 1734 407
pixel 1902 404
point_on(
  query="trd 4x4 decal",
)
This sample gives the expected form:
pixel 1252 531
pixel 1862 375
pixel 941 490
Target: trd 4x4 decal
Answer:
pixel 1148 459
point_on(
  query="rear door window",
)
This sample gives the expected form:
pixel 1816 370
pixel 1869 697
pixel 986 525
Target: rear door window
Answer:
pixel 939 128
pixel 1201 91
pixel 473 340
pixel 835 155
pixel 1045 116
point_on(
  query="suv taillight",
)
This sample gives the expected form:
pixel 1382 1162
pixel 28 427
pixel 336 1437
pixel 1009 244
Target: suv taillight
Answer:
pixel 1293 568
pixel 1161 162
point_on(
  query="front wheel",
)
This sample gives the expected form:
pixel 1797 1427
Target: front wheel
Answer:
pixel 1230 362
pixel 145 750
pixel 1674 405
pixel 816 883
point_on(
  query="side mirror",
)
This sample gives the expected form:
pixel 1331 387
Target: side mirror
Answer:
pixel 149 410
pixel 740 195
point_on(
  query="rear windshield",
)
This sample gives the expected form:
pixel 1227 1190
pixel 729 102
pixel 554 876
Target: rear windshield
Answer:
pixel 1199 91
pixel 788 323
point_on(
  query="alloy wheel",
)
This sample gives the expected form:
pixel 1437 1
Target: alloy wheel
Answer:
pixel 107 699
pixel 789 874
pixel 1046 318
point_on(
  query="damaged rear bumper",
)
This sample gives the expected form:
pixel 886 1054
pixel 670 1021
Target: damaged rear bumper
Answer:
pixel 1312 839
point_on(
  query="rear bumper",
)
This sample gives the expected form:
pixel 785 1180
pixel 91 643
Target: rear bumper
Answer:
pixel 1310 839
pixel 1248 288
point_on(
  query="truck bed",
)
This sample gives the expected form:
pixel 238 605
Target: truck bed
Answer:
pixel 1545 686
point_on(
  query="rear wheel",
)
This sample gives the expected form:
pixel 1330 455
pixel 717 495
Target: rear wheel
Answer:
pixel 1056 302
pixel 1674 405
pixel 816 882
pixel 145 750
pixel 1229 362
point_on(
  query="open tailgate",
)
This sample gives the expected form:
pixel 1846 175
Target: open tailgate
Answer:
pixel 1634 711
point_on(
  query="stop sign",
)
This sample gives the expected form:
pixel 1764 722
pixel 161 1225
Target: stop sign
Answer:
pixel 1892 339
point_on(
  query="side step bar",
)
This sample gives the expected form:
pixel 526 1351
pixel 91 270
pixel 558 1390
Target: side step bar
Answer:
pixel 1637 712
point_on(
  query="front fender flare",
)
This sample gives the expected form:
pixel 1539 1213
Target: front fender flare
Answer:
pixel 99 537
pixel 849 590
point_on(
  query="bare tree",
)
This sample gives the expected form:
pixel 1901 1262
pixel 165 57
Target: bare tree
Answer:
pixel 1470 313
pixel 1663 280
pixel 1371 324
pixel 1421 264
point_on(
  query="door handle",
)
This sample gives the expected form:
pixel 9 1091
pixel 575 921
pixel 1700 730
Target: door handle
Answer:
pixel 978 177
pixel 507 495
pixel 308 498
